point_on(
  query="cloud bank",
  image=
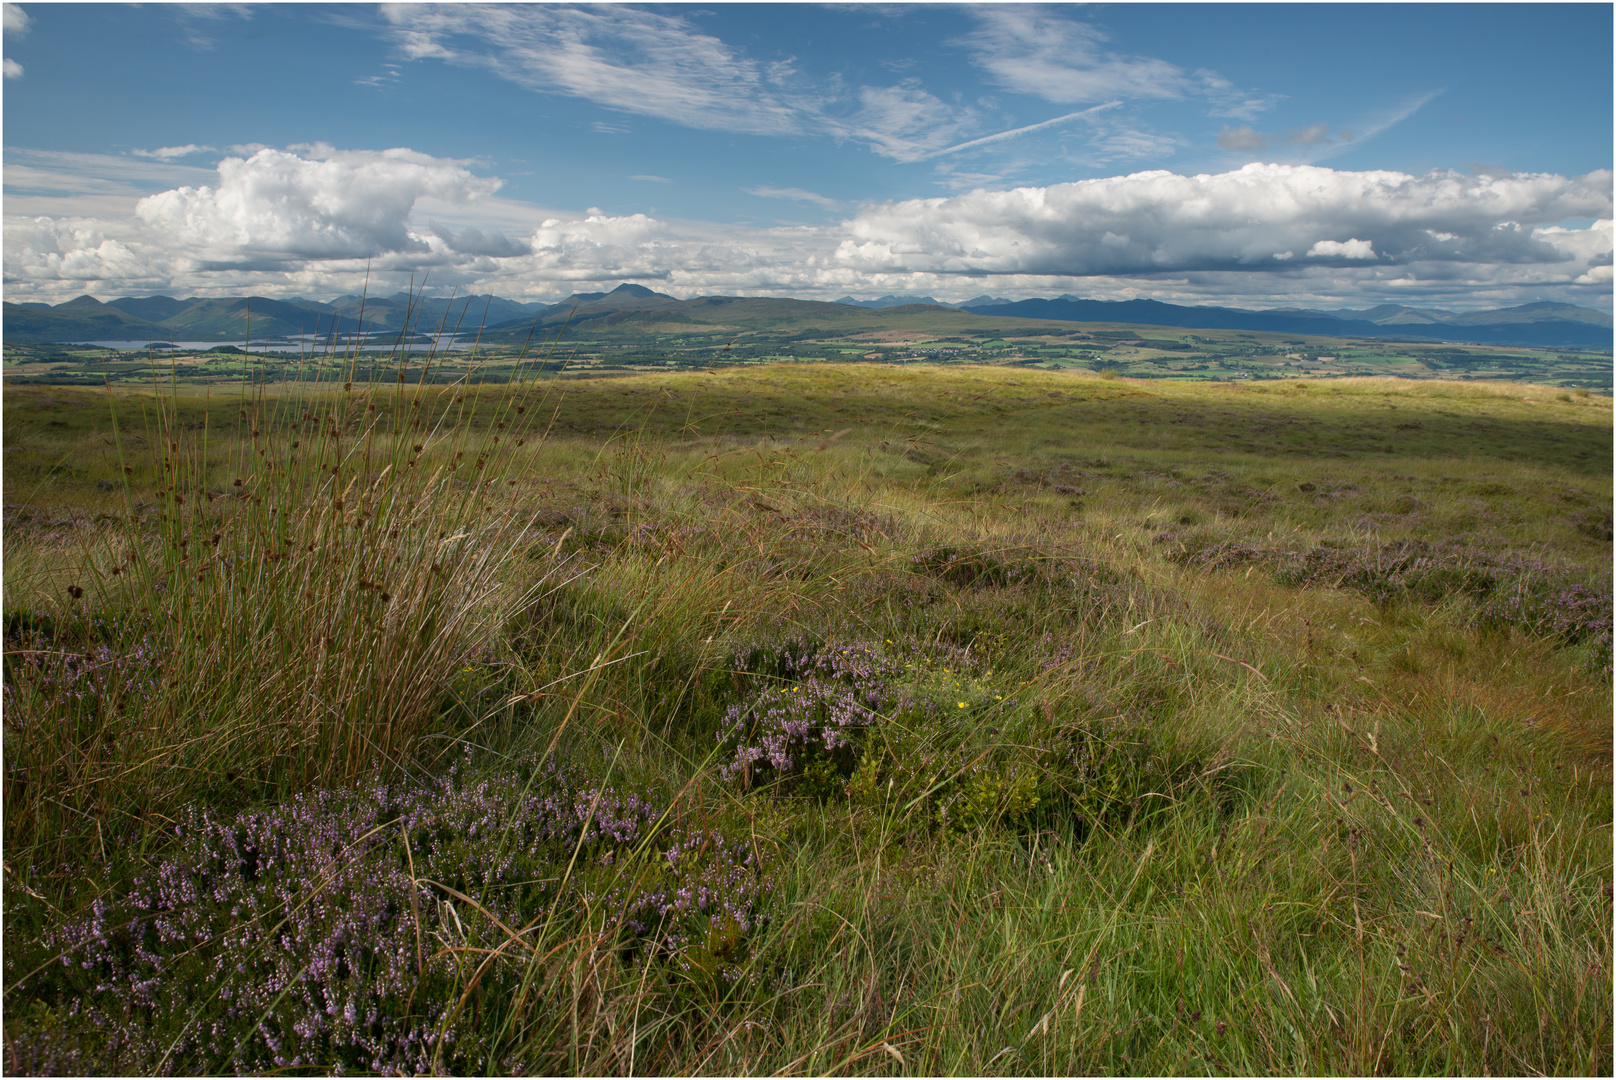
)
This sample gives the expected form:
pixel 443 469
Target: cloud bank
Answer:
pixel 1254 219
pixel 315 221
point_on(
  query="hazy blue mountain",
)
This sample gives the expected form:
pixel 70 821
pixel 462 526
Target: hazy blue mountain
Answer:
pixel 233 318
pixel 581 308
pixel 83 324
pixel 1383 314
pixel 1379 311
pixel 625 294
pixel 158 318
pixel 151 308
pixel 81 319
pixel 1543 325
pixel 1156 313
pixel 1543 311
pixel 427 314
pixel 84 318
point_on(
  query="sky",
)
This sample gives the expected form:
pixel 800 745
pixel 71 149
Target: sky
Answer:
pixel 1453 156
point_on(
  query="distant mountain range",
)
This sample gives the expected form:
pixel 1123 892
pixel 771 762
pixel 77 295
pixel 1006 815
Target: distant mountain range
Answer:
pixel 161 318
pixel 1541 324
pixel 898 301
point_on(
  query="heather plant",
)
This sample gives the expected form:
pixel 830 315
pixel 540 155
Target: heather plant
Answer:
pixel 806 718
pixel 960 746
pixel 1568 605
pixel 383 928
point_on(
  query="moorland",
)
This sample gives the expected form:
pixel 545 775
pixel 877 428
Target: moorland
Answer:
pixel 400 715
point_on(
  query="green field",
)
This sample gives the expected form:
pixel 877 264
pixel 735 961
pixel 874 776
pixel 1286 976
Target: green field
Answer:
pixel 776 331
pixel 936 713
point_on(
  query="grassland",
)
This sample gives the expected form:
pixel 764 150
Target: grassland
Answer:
pixel 804 718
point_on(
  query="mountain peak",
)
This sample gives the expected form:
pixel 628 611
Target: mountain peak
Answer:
pixel 81 303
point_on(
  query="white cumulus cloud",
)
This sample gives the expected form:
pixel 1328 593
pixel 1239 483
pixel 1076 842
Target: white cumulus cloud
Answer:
pixel 600 245
pixel 596 230
pixel 276 215
pixel 684 257
pixel 277 206
pixel 1336 249
pixel 76 251
pixel 1158 221
pixel 1589 247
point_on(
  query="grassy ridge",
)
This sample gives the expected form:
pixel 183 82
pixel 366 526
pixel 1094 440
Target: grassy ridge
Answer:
pixel 821 719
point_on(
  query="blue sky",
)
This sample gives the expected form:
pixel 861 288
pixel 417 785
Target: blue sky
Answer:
pixel 1267 155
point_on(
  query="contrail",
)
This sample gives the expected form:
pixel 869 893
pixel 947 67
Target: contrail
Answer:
pixel 1020 131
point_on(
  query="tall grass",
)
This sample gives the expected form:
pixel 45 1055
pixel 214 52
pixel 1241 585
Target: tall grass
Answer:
pixel 280 604
pixel 910 752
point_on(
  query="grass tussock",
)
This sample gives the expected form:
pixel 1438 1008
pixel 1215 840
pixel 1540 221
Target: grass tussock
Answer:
pixel 809 720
